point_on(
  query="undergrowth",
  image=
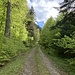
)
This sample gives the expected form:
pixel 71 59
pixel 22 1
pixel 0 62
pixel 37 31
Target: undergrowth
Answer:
pixel 16 65
pixel 9 48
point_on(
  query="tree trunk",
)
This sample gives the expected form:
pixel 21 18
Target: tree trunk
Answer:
pixel 7 25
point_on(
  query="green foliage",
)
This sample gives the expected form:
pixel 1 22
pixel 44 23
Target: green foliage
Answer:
pixel 10 47
pixel 16 66
pixel 66 42
pixel 66 46
pixel 18 16
pixel 58 41
pixel 32 28
pixel 21 33
pixel 60 35
pixel 48 35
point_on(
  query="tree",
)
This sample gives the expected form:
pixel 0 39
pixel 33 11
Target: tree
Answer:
pixel 47 33
pixel 67 6
pixel 59 35
pixel 12 24
pixel 7 26
pixel 31 26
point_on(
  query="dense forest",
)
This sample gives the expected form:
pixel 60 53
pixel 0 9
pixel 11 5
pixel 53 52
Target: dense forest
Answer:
pixel 58 36
pixel 17 28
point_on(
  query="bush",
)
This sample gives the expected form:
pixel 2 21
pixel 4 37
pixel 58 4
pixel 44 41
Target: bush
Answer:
pixel 9 48
pixel 66 46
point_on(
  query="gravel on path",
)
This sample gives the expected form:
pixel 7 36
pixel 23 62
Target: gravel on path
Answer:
pixel 29 64
pixel 52 69
pixel 32 66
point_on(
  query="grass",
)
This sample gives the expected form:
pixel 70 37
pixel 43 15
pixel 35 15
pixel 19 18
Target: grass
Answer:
pixel 15 67
pixel 62 64
pixel 40 67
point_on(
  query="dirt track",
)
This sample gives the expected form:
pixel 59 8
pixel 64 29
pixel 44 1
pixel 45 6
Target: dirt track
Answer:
pixel 38 64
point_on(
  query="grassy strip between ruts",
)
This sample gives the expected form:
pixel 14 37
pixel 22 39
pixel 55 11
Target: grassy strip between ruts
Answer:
pixel 40 66
pixel 62 64
pixel 16 66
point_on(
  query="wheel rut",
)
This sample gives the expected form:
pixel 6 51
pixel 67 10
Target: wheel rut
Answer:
pixel 29 64
pixel 52 69
pixel 38 64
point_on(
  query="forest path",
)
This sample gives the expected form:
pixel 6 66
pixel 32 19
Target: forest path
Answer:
pixel 38 64
pixel 50 66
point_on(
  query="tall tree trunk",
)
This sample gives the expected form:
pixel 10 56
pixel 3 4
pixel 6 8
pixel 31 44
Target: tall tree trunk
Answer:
pixel 7 25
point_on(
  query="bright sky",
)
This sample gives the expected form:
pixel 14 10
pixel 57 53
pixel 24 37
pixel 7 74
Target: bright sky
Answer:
pixel 44 9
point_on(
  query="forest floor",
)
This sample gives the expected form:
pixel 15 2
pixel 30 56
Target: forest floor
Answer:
pixel 37 63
